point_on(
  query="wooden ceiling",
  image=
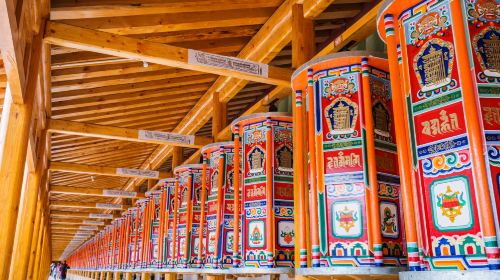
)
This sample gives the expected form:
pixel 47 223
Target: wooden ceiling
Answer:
pixel 121 91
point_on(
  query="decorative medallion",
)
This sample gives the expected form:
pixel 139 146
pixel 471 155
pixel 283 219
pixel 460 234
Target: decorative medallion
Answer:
pixel 347 219
pixel 382 120
pixel 451 204
pixel 487 49
pixel 483 10
pixel 286 234
pixel 434 64
pixel 389 219
pixel 341 116
pixel 429 24
pixel 339 86
pixel 256 234
pixel 256 159
pixel 284 158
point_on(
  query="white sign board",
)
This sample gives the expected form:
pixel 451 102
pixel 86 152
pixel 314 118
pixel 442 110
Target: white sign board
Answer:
pixel 108 206
pixel 90 222
pixel 88 228
pixel 226 62
pixel 100 216
pixel 138 173
pixel 166 137
pixel 119 193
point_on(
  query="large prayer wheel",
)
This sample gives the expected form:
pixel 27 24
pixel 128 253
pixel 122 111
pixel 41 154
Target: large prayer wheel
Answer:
pixel 168 259
pixel 218 161
pixel 354 178
pixel 189 180
pixel 267 195
pixel 444 58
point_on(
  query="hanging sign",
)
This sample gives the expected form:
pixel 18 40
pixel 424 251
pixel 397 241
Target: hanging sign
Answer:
pixel 90 222
pixel 100 216
pixel 108 206
pixel 226 62
pixel 138 173
pixel 88 227
pixel 166 137
pixel 119 193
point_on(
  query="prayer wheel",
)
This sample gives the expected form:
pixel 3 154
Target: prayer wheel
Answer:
pixel 189 188
pixel 168 225
pixel 354 179
pixel 152 227
pixel 218 165
pixel 445 63
pixel 267 195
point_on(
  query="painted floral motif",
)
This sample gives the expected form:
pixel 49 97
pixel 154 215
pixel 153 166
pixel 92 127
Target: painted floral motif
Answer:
pixel 446 163
pixel 286 234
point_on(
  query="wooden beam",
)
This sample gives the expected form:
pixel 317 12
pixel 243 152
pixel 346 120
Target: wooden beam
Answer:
pixel 108 171
pixel 126 47
pixel 11 49
pixel 83 215
pixel 74 204
pixel 263 47
pixel 97 11
pixel 126 134
pixel 14 138
pixel 95 192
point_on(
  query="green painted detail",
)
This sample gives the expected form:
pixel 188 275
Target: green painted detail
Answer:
pixel 412 132
pixel 491 243
pixel 385 146
pixel 342 145
pixel 438 101
pixel 488 90
pixel 254 180
pixel 323 242
pixel 365 159
pixel 283 179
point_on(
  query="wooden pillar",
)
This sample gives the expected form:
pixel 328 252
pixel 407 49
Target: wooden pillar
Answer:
pixel 128 276
pixel 177 157
pixel 25 224
pixel 170 276
pixel 36 230
pixel 302 50
pixel 14 137
pixel 117 275
pixel 37 237
pixel 151 184
pixel 145 276
pixel 219 115
pixel 403 152
pixel 39 250
pixel 109 276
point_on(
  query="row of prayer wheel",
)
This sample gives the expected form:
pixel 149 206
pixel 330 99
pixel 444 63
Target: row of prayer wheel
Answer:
pixel 391 162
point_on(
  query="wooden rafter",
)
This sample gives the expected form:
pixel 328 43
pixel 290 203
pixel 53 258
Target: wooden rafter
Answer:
pixel 143 50
pixel 102 170
pixel 118 133
pixel 95 192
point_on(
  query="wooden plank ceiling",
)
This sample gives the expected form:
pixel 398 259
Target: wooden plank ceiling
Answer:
pixel 96 88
